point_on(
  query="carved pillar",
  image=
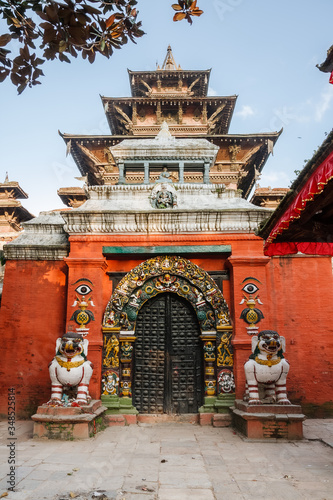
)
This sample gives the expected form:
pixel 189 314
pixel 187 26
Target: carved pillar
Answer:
pixel 146 177
pixel 224 365
pixel 127 340
pixel 121 168
pixel 204 112
pixel 180 113
pixel 180 84
pixel 118 370
pixel 158 113
pixel 134 114
pixel 209 349
pixel 181 172
pixel 206 173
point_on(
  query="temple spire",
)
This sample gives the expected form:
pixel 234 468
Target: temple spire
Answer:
pixel 169 61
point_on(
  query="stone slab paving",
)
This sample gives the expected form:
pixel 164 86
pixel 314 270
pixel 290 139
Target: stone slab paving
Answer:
pixel 170 462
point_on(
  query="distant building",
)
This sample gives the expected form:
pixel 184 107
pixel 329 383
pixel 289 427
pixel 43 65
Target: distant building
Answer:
pixel 268 197
pixel 12 215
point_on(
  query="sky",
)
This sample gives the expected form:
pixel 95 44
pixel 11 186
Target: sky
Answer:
pixel 264 51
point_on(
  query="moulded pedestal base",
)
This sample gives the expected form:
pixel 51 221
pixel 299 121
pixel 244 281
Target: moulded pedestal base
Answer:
pixel 116 405
pixel 268 421
pixel 58 422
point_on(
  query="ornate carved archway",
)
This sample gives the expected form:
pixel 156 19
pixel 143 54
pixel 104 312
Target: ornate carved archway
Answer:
pixel 154 276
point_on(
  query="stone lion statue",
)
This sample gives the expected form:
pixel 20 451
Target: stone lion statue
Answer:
pixel 70 372
pixel 266 370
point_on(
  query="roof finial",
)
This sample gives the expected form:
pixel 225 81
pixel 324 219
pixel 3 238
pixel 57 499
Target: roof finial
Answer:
pixel 6 180
pixel 169 61
pixel 164 134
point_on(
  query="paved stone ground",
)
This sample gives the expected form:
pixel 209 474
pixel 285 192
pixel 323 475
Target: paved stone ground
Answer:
pixel 171 462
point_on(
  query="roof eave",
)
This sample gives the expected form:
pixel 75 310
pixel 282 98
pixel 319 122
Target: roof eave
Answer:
pixel 323 151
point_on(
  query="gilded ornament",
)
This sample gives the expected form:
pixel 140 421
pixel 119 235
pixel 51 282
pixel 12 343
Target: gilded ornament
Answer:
pixel 210 388
pixel 126 372
pixel 224 357
pixel 251 315
pixel 226 382
pixel 267 362
pixel 209 351
pixel 233 151
pixel 69 364
pixel 82 316
pixel 126 389
pixel 111 347
pixel 110 383
pixel 160 274
pixel 126 352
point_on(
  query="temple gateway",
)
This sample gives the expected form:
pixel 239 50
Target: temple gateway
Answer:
pixel 158 263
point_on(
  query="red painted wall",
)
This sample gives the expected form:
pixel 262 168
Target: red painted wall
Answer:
pixel 32 317
pixel 300 293
pixel 296 295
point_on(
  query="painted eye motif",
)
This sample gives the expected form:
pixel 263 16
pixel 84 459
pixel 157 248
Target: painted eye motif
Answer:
pixel 250 288
pixel 83 289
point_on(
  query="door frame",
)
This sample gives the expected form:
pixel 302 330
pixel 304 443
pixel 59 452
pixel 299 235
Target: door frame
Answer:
pixel 152 277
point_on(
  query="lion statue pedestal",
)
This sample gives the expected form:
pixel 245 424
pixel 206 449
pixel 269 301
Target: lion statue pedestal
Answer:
pixel 266 411
pixel 70 413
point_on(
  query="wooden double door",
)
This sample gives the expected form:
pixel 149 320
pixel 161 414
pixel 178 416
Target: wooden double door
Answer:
pixel 168 362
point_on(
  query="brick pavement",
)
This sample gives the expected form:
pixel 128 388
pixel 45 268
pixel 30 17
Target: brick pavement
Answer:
pixel 171 462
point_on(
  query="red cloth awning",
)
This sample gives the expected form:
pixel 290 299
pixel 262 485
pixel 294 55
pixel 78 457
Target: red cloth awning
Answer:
pixel 292 247
pixel 313 186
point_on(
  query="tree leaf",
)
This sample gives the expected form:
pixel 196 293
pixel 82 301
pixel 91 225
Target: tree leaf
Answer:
pixel 197 12
pixel 62 45
pixel 110 21
pixel 4 39
pixel 175 6
pixel 21 88
pixel 179 16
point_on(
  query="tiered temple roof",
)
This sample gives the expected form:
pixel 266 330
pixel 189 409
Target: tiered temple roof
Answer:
pixel 268 197
pixel 12 214
pixel 179 98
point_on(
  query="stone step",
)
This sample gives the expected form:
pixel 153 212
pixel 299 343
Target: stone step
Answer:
pixel 155 418
pixel 222 420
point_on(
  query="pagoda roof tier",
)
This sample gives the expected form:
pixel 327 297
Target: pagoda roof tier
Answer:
pixel 170 79
pixel 327 65
pixel 12 189
pixel 164 146
pixel 268 197
pixel 12 214
pixel 239 160
pixel 163 82
pixel 185 115
pixel 72 196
